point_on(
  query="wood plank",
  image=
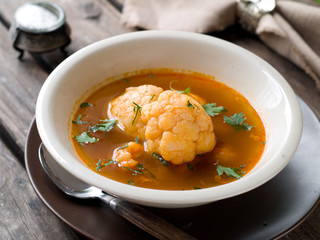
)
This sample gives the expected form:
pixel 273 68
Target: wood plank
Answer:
pixel 22 214
pixel 19 85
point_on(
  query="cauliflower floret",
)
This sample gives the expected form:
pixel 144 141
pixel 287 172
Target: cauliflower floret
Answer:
pixel 126 108
pixel 126 156
pixel 177 127
pixel 172 124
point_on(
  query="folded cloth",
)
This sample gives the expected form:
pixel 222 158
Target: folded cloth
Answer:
pixel 292 29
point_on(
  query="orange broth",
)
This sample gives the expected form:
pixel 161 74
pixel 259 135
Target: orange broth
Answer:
pixel 236 149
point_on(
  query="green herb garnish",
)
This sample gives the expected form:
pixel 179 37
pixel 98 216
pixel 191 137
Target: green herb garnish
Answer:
pixel 236 121
pixel 141 167
pixel 125 146
pixel 196 188
pixel 85 138
pixel 212 110
pixel 136 140
pixel 98 165
pixel 140 170
pixel 190 104
pixel 136 110
pixel 77 121
pixel 186 91
pixel 130 182
pixel 231 172
pixel 190 167
pixel 106 126
pixel 132 170
pixel 125 80
pixel 109 161
pixel 162 161
pixel 152 98
pixel 86 104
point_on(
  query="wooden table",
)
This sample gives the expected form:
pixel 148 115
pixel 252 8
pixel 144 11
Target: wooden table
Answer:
pixel 22 214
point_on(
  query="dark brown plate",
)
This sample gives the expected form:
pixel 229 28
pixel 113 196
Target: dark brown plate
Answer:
pixel 267 212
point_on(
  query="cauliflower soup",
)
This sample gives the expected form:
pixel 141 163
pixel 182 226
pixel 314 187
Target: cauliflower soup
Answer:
pixel 166 129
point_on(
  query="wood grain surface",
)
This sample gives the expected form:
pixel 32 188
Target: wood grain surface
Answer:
pixel 22 214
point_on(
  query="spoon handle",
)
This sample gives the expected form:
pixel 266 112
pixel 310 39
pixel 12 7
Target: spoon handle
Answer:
pixel 147 221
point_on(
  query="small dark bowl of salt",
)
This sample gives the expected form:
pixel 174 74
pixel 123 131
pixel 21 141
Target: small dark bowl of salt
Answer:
pixel 39 27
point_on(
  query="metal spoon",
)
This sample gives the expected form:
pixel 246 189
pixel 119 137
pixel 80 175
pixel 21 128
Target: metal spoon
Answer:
pixel 135 214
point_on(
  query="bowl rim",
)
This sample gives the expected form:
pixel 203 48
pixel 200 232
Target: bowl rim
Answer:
pixel 174 198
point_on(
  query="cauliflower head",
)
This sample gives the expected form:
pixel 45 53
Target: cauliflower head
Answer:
pixel 171 124
pixel 177 127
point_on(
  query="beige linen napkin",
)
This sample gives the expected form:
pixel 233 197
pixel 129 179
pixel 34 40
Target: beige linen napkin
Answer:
pixel 292 29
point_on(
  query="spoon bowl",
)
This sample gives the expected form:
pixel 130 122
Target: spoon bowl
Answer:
pixel 65 181
pixel 74 187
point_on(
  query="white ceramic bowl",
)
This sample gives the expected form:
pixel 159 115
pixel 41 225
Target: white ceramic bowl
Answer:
pixel 260 83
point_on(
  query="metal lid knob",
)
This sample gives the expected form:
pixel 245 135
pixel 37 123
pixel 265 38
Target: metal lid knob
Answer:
pixel 251 11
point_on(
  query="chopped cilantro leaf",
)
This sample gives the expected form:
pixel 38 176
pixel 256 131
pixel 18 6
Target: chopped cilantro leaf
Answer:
pixel 236 121
pixel 85 138
pixel 98 165
pixel 125 146
pixel 196 188
pixel 212 110
pixel 152 98
pixel 190 167
pixel 106 126
pixel 186 91
pixel 162 161
pixel 130 182
pixel 132 170
pixel 141 167
pixel 231 172
pixel 136 110
pixel 190 104
pixel 109 161
pixel 140 170
pixel 77 121
pixel 86 104
pixel 125 80
pixel 136 140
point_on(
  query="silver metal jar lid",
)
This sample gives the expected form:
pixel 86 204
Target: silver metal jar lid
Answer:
pixel 39 17
pixel 251 11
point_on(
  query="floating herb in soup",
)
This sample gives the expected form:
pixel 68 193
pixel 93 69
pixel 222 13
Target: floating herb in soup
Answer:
pixel 162 129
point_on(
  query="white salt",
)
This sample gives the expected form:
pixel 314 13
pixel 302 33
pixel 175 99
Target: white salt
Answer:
pixel 35 17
